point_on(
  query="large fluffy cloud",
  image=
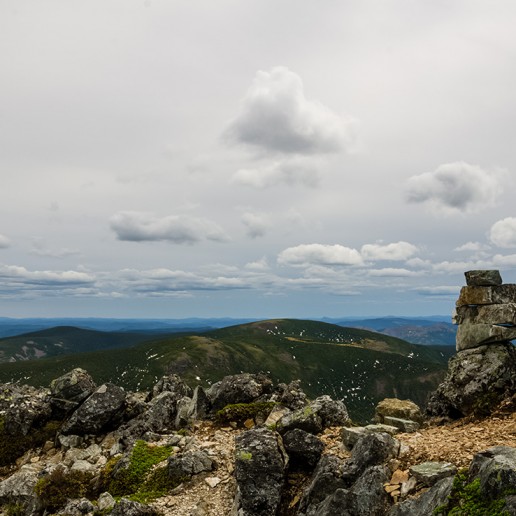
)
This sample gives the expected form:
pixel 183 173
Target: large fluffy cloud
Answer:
pixel 456 187
pixel 319 254
pixel 290 172
pixel 396 251
pixel 139 227
pixel 276 116
pixel 503 233
pixel 4 242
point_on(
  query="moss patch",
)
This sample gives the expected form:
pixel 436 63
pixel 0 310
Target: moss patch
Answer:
pixel 58 487
pixel 466 499
pixel 140 480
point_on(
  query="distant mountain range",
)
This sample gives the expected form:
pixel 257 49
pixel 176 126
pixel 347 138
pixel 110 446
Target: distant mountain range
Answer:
pixel 357 365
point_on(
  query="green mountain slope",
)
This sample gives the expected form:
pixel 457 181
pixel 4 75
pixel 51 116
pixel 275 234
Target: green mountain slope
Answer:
pixel 63 340
pixel 358 366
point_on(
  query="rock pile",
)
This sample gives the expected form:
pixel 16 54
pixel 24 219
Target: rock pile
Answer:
pixel 483 372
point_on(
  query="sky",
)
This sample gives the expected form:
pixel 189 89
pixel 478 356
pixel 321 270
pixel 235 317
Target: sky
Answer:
pixel 258 158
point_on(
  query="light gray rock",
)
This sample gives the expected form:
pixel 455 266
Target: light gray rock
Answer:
pixel 332 412
pixel 404 425
pixel 19 489
pixel 128 508
pixel 69 441
pixel 83 466
pixel 304 418
pixel 105 502
pixel 350 435
pixel 373 450
pixel 498 294
pixel 80 507
pixel 171 383
pixel 428 473
pixel 486 314
pixel 483 278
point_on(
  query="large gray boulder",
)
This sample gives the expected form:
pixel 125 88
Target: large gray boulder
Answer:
pixel 332 412
pixel 171 383
pixel 483 278
pixel 28 408
pixel 185 465
pixel 476 381
pixel 260 466
pixel 497 294
pixel 18 489
pixel 240 388
pixel 496 468
pixel 472 335
pixel 102 410
pixel 68 391
pixel 304 419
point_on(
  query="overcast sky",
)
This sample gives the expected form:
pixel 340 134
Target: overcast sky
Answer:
pixel 257 158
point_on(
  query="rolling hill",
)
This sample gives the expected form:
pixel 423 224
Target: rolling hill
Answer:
pixel 359 366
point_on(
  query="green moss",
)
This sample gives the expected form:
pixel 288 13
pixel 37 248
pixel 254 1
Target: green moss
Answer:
pixel 55 489
pixel 240 412
pixel 140 481
pixel 243 455
pixel 15 509
pixel 466 499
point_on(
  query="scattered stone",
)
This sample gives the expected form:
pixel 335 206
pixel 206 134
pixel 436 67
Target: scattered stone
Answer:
pixel 393 407
pixel 428 473
pixel 128 508
pixel 331 412
pixel 77 508
pixel 184 465
pixel 213 481
pixel 105 502
pixel 350 435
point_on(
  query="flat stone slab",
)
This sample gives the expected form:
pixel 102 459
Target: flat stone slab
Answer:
pixel 483 278
pixel 498 294
pixel 404 425
pixel 350 435
pixel 429 473
pixel 487 314
pixel 471 335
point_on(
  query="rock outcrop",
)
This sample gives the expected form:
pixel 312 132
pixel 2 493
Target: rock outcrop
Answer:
pixel 483 372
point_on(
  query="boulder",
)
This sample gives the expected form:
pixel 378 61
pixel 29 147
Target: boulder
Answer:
pixel 184 465
pixel 103 409
pixel 373 450
pixel 497 294
pixel 78 507
pixel 367 495
pixel 496 468
pixel 472 335
pixel 171 383
pixel 487 314
pixel 426 503
pixel 260 466
pixel 326 480
pixel 393 407
pixel 304 419
pixel 26 412
pixel 240 388
pixel 477 380
pixel 303 448
pixel 19 489
pixel 105 502
pixel 68 391
pixel 351 435
pixel 404 425
pixel 483 278
pixel 332 412
pixel 291 395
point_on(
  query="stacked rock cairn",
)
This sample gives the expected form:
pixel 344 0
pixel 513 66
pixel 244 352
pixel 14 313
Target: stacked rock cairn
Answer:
pixel 485 310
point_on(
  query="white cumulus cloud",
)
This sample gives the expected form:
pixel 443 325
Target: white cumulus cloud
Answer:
pixel 395 251
pixel 275 116
pixel 456 187
pixel 289 172
pixel 503 233
pixel 319 254
pixel 472 247
pixel 179 229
